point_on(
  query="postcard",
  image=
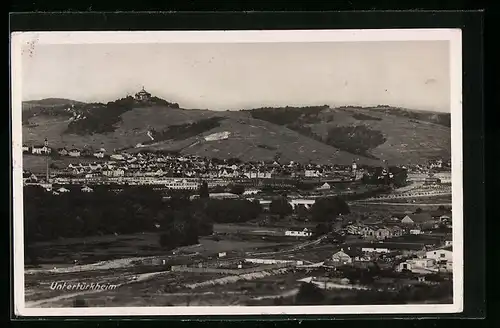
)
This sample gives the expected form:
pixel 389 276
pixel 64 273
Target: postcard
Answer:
pixel 187 173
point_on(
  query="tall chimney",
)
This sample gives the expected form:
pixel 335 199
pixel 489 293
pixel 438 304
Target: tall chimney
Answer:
pixel 46 144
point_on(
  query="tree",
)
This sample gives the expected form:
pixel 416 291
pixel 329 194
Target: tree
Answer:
pixel 204 190
pixel 328 208
pixel 281 207
pixel 237 189
pixel 418 210
pixel 321 229
pixel 400 176
pixel 301 211
pixel 309 294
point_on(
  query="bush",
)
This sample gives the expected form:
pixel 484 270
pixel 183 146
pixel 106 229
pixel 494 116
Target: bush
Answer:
pixel 309 294
pixel 328 209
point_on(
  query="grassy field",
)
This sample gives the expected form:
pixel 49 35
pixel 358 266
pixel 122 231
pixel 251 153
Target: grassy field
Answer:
pixel 101 248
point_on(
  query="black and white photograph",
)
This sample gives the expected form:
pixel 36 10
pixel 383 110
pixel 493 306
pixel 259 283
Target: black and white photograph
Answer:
pixel 237 172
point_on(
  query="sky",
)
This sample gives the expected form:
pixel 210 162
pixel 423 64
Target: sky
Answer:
pixel 231 76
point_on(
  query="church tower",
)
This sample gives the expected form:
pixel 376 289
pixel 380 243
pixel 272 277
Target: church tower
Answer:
pixel 354 168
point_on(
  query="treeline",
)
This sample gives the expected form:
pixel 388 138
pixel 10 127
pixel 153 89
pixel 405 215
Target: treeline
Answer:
pixel 364 117
pixel 231 210
pixel 288 115
pixel 355 139
pixel 310 294
pixel 431 117
pixel 104 212
pixel 398 179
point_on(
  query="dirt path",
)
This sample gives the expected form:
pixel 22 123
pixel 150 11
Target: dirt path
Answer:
pixel 233 279
pixel 288 293
pixel 138 278
pixel 294 249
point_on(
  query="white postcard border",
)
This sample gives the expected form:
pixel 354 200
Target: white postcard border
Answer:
pixel 19 39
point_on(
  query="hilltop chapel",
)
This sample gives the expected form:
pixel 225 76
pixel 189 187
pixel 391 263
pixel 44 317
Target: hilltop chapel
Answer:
pixel 142 95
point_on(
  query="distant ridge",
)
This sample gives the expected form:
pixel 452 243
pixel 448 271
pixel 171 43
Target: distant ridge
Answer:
pixel 312 133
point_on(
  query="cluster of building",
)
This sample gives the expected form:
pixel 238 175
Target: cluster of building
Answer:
pixel 149 168
pixel 64 151
pixel 410 257
pixel 399 225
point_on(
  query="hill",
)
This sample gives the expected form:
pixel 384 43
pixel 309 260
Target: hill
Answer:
pixel 50 102
pixel 394 134
pixel 317 133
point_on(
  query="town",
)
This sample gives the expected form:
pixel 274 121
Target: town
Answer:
pixel 271 233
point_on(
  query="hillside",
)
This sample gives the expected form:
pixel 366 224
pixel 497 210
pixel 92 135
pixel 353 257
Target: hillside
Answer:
pixel 50 102
pixel 317 133
pixel 394 134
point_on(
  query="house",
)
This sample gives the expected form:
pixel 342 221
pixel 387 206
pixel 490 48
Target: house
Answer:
pixel 40 150
pixel 113 173
pixel 312 173
pixel 443 255
pixel 117 157
pixel 74 152
pixel 346 256
pixel 95 166
pixel 62 190
pixel 445 218
pixel 396 231
pixel 367 232
pixel 324 186
pixel 353 229
pixel 182 184
pixel 251 192
pixel 387 247
pixel 87 189
pixel 418 265
pixel 99 154
pixel 298 232
pixel 407 220
pixel 340 258
pixel 382 233
pixel 62 151
pixel 29 177
pixel 415 231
